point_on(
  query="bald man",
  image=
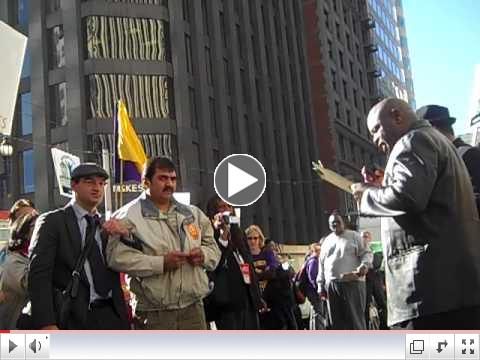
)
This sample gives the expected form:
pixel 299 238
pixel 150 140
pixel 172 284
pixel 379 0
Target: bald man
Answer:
pixel 430 224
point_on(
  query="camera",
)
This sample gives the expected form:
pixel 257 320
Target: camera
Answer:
pixel 228 219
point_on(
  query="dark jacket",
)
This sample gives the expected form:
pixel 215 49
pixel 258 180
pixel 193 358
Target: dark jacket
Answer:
pixel 230 292
pixel 55 248
pixel 471 158
pixel 430 227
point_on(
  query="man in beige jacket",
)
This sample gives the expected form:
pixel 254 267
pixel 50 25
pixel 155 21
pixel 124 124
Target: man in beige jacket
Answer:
pixel 167 254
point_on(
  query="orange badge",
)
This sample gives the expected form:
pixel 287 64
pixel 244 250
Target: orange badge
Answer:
pixel 193 231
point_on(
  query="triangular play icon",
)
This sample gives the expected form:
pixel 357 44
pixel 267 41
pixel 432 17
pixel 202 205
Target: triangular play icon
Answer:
pixel 238 180
pixel 11 346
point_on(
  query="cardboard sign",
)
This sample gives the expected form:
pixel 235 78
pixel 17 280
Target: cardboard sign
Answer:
pixel 12 48
pixel 63 164
pixel 332 177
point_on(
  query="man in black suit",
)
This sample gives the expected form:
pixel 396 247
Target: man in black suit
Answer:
pixel 57 243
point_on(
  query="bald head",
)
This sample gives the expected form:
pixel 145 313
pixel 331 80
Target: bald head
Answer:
pixel 388 121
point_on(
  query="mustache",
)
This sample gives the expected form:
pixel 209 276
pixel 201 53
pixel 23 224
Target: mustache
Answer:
pixel 168 189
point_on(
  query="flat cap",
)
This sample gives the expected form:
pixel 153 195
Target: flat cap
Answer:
pixel 436 115
pixel 88 169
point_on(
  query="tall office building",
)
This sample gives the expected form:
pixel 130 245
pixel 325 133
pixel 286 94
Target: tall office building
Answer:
pixel 339 72
pixel 201 79
pixel 389 59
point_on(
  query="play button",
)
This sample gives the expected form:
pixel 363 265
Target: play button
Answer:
pixel 240 179
pixel 11 346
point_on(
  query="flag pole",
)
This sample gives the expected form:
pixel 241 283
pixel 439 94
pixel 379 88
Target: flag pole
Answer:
pixel 108 185
pixel 115 153
pixel 121 183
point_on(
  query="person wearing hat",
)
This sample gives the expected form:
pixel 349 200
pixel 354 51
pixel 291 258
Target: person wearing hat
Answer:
pixel 59 239
pixel 439 117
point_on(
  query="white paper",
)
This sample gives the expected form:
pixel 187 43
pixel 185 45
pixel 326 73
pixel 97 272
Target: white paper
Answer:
pixel 12 48
pixel 63 164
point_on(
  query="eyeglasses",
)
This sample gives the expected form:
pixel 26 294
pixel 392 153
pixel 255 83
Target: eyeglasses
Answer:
pixel 253 238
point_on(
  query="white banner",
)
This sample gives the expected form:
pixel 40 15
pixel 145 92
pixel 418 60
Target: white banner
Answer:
pixel 63 164
pixel 12 48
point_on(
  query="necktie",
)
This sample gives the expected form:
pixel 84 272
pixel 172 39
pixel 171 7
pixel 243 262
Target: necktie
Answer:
pixel 100 273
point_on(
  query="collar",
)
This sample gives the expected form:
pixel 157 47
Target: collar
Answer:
pixel 81 212
pixel 150 210
pixel 420 124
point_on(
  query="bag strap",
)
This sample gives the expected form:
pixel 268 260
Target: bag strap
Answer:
pixel 72 287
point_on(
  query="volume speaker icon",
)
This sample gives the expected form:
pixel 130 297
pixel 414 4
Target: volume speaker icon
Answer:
pixel 35 346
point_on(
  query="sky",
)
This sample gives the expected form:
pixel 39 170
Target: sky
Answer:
pixel 444 44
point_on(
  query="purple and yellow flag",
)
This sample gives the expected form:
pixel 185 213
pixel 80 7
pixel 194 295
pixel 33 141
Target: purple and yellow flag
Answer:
pixel 127 148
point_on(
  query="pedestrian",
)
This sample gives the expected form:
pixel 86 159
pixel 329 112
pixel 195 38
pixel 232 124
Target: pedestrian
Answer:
pixel 69 283
pixel 375 282
pixel 14 274
pixel 307 283
pixel 429 219
pixel 235 301
pixel 343 264
pixel 169 247
pixel 439 117
pixel 21 207
pixel 275 280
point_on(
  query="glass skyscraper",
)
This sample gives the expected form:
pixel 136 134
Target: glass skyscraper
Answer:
pixel 389 61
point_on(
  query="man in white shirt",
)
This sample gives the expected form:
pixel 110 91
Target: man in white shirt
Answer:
pixel 344 262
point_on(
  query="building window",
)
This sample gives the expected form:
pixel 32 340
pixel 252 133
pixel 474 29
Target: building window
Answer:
pixel 233 126
pixel 205 18
pixel 341 145
pixel 244 80
pixel 352 70
pixel 349 118
pixel 223 29
pixel 226 69
pixel 339 35
pixel 58 103
pixel 26 67
pixel 193 108
pixel 345 89
pixel 186 10
pixel 26 113
pixel 188 54
pixel 53 5
pixel 216 157
pixel 340 59
pixel 327 19
pixel 23 13
pixel 259 95
pixel 337 110
pixel 28 171
pixel 213 117
pixel 334 79
pixel 57 45
pixel 355 101
pixel 239 39
pixel 197 168
pixel 330 49
pixel 208 64
pixel 352 153
pixel 349 45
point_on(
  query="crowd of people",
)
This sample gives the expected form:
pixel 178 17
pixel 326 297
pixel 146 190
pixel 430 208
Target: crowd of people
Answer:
pixel 160 264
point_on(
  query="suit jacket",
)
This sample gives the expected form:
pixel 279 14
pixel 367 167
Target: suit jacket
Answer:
pixel 54 250
pixel 238 292
pixel 471 157
pixel 430 227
